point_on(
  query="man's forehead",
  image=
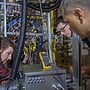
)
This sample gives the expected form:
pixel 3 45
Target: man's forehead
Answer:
pixel 9 48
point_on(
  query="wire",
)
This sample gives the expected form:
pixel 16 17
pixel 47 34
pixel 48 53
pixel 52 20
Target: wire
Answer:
pixel 21 42
pixel 20 45
pixel 44 4
pixel 55 69
pixel 42 18
pixel 8 85
pixel 46 7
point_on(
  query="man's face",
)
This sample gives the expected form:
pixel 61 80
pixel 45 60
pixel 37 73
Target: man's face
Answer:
pixel 79 21
pixel 64 29
pixel 7 54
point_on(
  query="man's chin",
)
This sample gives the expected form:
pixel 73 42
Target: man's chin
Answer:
pixel 5 60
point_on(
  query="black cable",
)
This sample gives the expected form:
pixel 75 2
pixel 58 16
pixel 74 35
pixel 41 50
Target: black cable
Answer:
pixel 21 41
pixel 45 7
pixel 20 44
pixel 56 69
pixel 8 84
pixel 44 4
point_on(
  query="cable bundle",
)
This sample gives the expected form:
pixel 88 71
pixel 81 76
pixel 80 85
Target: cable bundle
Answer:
pixel 46 7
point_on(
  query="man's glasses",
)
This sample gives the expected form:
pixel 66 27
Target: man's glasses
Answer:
pixel 62 29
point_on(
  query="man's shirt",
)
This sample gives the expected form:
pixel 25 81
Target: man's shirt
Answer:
pixel 4 72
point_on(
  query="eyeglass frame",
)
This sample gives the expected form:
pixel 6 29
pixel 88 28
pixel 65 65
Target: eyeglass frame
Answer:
pixel 62 29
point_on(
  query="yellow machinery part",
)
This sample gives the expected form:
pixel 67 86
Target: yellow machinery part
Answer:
pixel 43 64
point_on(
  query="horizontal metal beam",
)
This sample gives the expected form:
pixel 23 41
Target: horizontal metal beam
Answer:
pixel 12 4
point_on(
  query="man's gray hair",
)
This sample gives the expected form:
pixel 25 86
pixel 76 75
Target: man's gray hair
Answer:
pixel 69 4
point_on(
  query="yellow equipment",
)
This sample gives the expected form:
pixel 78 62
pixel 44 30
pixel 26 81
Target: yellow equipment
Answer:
pixel 43 62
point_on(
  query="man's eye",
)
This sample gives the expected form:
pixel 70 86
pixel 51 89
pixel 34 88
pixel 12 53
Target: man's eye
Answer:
pixel 9 53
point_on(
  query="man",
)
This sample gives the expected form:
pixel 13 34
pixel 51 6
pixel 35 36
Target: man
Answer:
pixel 77 14
pixel 62 27
pixel 6 50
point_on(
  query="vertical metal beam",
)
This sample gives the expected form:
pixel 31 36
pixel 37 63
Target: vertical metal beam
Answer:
pixel 76 52
pixel 49 39
pixel 5 18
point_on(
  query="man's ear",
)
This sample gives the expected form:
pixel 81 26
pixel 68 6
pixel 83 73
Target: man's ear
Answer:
pixel 79 14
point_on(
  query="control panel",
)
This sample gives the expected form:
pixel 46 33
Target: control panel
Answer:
pixel 32 80
pixel 46 80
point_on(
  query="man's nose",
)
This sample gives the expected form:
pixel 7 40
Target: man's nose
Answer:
pixel 10 57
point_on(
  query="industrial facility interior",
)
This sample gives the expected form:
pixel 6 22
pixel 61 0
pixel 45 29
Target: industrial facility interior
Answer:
pixel 44 58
